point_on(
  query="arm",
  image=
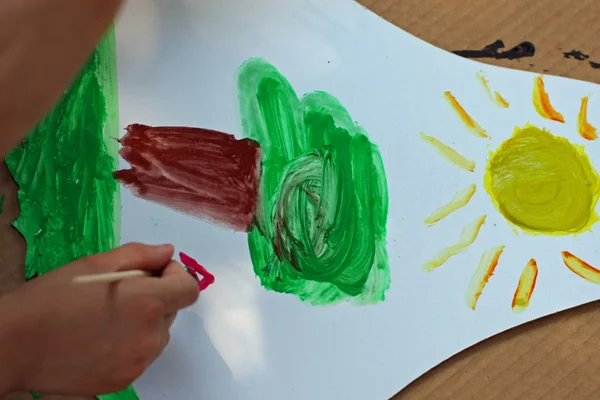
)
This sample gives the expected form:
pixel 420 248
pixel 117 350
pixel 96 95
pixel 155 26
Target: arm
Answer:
pixel 43 43
pixel 57 337
pixel 8 338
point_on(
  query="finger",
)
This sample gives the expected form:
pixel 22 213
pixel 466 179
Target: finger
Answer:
pixel 165 338
pixel 135 256
pixel 169 319
pixel 176 287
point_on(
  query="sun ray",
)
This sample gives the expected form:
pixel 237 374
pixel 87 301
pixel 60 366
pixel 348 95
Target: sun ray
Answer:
pixel 525 287
pixel 502 102
pixel 465 117
pixel 585 129
pixel 542 104
pixel 494 96
pixel 486 268
pixel 467 237
pixel 460 199
pixel 581 268
pixel 450 154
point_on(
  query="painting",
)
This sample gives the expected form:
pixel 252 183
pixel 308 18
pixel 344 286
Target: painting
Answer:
pixel 364 215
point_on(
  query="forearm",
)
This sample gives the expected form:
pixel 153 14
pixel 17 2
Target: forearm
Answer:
pixel 43 44
pixel 7 384
pixel 9 350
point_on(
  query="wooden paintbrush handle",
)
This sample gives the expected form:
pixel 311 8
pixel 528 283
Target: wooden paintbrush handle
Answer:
pixel 110 276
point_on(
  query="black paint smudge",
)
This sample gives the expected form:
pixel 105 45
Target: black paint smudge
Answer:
pixel 576 54
pixel 595 65
pixel 525 49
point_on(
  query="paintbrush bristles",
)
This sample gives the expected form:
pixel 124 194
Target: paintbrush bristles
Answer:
pixel 110 277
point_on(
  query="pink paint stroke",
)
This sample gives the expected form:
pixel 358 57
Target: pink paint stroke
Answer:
pixel 207 278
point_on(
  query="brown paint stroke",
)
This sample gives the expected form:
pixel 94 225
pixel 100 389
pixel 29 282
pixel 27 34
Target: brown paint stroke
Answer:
pixel 201 172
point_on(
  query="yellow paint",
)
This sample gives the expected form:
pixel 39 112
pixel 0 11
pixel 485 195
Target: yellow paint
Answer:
pixel 525 287
pixel 485 269
pixel 541 102
pixel 501 101
pixel 467 237
pixel 465 117
pixel 450 154
pixel 542 183
pixel 581 268
pixel 460 199
pixel 485 83
pixel 585 129
pixel 494 96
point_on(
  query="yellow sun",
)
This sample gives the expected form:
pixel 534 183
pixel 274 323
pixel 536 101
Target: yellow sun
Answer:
pixel 540 183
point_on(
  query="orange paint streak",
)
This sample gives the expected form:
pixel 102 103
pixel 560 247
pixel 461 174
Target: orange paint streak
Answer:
pixel 525 287
pixel 495 96
pixel 485 83
pixel 581 268
pixel 501 101
pixel 465 117
pixel 585 129
pixel 483 273
pixel 542 104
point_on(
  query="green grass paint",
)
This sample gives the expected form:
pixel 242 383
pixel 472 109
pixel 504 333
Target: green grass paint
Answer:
pixel 2 200
pixel 67 195
pixel 127 394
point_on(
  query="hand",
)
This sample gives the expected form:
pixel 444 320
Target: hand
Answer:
pixel 85 339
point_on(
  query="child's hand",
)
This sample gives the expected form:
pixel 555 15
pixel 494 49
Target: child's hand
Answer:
pixel 85 339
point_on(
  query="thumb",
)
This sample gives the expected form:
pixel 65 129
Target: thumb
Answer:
pixel 135 256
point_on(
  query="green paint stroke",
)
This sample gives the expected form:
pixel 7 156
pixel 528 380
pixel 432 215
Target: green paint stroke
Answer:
pixel 67 195
pixel 127 394
pixel 70 205
pixel 2 200
pixel 321 220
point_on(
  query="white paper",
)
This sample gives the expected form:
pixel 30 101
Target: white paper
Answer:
pixel 176 65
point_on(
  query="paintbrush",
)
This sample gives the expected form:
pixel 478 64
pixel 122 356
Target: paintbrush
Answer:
pixel 110 277
pixel 190 265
